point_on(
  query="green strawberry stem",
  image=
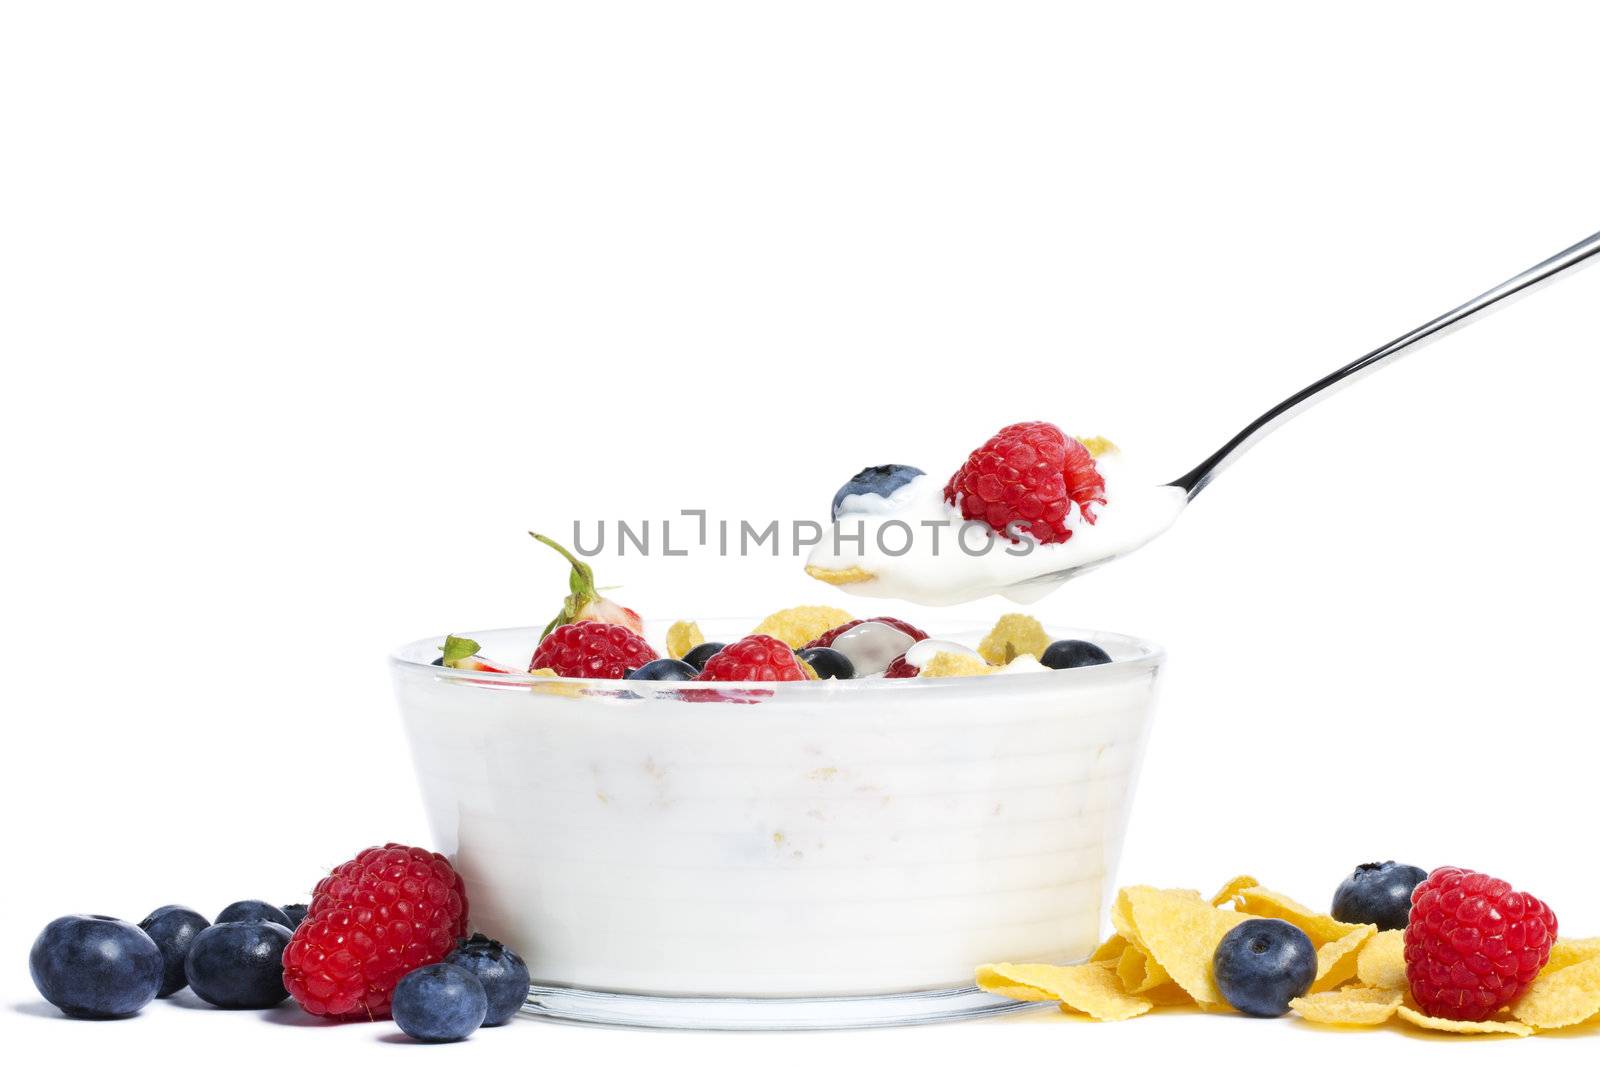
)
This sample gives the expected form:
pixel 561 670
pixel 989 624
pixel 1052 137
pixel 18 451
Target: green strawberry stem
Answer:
pixel 582 583
pixel 456 649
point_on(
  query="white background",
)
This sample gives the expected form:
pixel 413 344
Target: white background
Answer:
pixel 309 310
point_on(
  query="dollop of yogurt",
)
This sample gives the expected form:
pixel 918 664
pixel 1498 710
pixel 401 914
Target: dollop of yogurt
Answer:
pixel 911 545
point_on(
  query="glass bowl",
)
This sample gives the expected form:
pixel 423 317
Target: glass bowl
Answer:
pixel 799 855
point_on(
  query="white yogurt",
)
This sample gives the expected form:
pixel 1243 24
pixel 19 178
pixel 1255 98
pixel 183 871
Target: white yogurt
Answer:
pixel 918 548
pixel 921 654
pixel 848 838
pixel 872 646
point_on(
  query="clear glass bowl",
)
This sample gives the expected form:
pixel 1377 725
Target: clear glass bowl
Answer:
pixel 806 854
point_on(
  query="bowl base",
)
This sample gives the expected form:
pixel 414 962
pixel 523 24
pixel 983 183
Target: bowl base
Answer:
pixel 766 1013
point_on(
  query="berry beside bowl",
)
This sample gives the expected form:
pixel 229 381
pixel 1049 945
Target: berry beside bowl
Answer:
pixel 806 854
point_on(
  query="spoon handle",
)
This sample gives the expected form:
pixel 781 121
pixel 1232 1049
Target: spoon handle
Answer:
pixel 1201 476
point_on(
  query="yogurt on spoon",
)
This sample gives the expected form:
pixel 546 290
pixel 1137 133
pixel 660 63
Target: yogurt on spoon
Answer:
pixel 1026 510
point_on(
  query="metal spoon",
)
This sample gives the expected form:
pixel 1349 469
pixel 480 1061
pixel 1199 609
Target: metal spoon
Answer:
pixel 1191 484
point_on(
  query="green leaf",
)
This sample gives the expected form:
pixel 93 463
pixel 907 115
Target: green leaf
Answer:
pixel 581 583
pixel 456 649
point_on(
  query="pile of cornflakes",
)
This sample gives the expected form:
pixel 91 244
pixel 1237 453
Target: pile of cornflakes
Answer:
pixel 1160 956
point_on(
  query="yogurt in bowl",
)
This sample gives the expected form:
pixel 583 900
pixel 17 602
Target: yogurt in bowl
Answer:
pixel 835 853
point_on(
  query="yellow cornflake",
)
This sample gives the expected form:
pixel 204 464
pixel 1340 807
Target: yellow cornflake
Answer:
pixel 1353 1006
pixel 1336 960
pixel 1109 951
pixel 1097 446
pixel 1130 969
pixel 795 626
pixel 1566 953
pixel 1266 904
pixel 1182 931
pixel 839 576
pixel 565 689
pixel 681 637
pixel 1381 963
pixel 1565 996
pixel 1456 1026
pixel 955 665
pixel 1232 889
pixel 1012 636
pixel 1161 955
pixel 1140 974
pixel 1089 988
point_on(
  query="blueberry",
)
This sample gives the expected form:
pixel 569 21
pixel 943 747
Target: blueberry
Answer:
pixel 95 967
pixel 296 913
pixel 663 670
pixel 1262 964
pixel 173 929
pixel 1378 893
pixel 243 911
pixel 500 971
pixel 874 481
pixel 440 1002
pixel 439 662
pixel 696 657
pixel 1062 655
pixel 828 663
pixel 239 964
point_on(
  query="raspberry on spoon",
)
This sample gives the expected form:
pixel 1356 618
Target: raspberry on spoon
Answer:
pixel 1025 479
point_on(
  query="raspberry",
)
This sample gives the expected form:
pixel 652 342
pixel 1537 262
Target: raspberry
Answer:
pixel 375 919
pixel 1029 474
pixel 592 650
pixel 826 640
pixel 1474 944
pixel 899 668
pixel 757 658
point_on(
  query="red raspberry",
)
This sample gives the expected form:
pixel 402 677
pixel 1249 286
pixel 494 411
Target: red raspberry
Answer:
pixel 592 650
pixel 757 658
pixel 899 668
pixel 372 921
pixel 1474 943
pixel 1030 474
pixel 827 639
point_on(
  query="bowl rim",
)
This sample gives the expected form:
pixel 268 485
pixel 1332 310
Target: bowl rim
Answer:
pixel 1149 658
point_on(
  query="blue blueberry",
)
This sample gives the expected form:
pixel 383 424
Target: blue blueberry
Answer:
pixel 500 971
pixel 1262 964
pixel 95 967
pixel 874 481
pixel 663 670
pixel 1063 655
pixel 239 964
pixel 296 913
pixel 696 657
pixel 1378 893
pixel 243 911
pixel 828 662
pixel 173 929
pixel 440 1002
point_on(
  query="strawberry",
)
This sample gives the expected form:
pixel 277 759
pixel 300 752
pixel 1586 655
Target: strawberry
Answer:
pixel 461 653
pixel 585 603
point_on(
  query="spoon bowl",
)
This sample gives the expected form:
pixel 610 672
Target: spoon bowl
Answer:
pixel 1197 479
